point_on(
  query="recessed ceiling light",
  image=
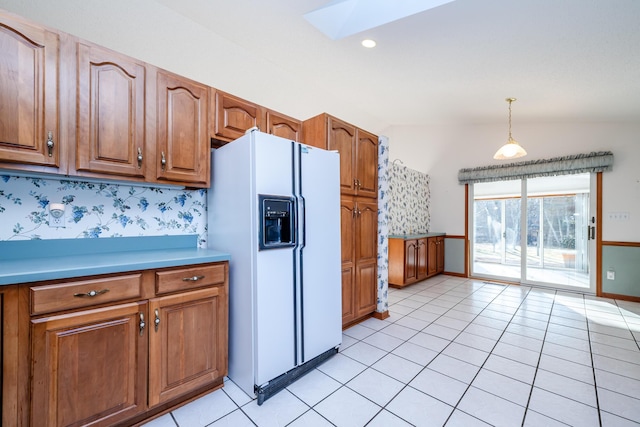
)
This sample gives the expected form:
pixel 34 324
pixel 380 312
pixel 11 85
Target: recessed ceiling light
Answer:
pixel 368 43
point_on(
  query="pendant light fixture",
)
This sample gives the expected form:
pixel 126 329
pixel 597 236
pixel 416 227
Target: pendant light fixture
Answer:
pixel 510 150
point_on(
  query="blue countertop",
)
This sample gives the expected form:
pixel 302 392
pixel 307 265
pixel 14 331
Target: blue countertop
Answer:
pixel 36 260
pixel 415 235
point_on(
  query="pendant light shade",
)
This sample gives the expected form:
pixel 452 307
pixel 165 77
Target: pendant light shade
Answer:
pixel 510 150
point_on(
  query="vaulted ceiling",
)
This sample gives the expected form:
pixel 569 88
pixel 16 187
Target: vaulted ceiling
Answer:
pixel 565 60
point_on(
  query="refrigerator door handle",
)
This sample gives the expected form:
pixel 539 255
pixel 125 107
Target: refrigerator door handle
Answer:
pixel 303 223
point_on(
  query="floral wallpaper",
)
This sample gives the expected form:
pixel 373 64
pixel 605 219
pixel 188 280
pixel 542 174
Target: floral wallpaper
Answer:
pixel 95 210
pixel 383 224
pixel 408 200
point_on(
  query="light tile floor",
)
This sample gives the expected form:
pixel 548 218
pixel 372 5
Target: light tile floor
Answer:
pixel 460 352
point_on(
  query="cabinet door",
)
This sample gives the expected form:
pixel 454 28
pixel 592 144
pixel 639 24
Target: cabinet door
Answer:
pixel 110 136
pixel 366 164
pixel 89 367
pixel 422 259
pixel 29 105
pixel 410 261
pixel 367 231
pixel 432 253
pixel 348 294
pixel 366 256
pixel 366 288
pixel 187 342
pixel 283 126
pixel 234 116
pixel 183 144
pixel 440 254
pixel 342 138
pixel 348 227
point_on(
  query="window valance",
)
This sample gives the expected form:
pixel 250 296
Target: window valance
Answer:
pixel 580 163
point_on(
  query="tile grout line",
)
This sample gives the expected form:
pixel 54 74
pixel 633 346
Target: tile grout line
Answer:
pixel 535 374
pixel 593 366
pixel 426 366
pixel 455 407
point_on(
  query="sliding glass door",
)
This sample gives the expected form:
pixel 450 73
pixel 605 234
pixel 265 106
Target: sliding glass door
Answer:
pixel 536 231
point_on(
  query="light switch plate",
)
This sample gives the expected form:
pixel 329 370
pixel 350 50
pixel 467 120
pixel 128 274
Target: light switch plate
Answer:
pixel 611 275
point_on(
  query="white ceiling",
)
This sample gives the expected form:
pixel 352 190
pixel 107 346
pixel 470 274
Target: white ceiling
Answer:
pixel 564 60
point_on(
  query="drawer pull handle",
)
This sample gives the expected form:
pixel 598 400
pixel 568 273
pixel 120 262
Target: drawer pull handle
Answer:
pixel 192 279
pixel 91 294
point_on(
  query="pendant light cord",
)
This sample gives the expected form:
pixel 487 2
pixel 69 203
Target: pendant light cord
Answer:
pixel 510 100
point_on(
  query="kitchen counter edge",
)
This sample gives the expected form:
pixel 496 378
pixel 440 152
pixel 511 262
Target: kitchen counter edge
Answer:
pixel 165 253
pixel 415 236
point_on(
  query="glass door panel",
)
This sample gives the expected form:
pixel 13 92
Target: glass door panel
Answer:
pixel 557 215
pixel 496 229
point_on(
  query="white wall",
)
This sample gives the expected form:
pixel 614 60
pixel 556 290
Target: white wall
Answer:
pixel 441 151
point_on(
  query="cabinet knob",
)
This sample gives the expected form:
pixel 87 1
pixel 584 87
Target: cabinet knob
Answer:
pixel 163 160
pixel 156 322
pixel 50 143
pixel 142 324
pixel 139 157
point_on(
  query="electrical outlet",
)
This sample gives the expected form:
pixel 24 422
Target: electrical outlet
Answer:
pixel 611 275
pixel 56 215
pixel 56 222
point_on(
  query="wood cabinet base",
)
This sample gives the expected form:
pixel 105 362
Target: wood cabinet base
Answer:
pixel 121 357
pixel 413 260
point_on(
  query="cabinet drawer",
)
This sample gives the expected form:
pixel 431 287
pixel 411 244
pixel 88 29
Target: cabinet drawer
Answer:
pixel 188 278
pixel 85 293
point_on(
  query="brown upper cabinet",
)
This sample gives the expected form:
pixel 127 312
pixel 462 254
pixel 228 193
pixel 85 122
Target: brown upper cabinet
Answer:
pixel 74 108
pixel 233 116
pixel 110 136
pixel 358 152
pixel 283 126
pixel 182 139
pixel 29 103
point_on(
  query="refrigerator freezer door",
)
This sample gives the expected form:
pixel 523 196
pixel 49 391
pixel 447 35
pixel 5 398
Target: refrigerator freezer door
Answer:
pixel 274 279
pixel 321 287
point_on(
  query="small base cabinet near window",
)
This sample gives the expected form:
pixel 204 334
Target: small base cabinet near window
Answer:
pixel 414 258
pixel 118 349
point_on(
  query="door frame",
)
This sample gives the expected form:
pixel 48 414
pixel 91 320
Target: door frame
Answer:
pixel 596 268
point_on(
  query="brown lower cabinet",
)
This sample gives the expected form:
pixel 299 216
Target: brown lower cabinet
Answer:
pixel 415 259
pixel 359 222
pixel 119 349
pixel 89 367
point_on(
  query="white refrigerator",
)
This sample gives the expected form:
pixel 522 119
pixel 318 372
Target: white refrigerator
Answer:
pixel 274 205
